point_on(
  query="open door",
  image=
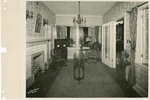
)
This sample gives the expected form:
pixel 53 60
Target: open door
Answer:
pixel 109 44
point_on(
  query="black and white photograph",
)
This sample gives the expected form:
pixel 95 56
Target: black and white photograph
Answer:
pixel 86 49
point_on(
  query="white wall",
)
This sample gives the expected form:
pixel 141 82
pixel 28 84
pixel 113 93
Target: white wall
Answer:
pixel 71 51
pixel 67 20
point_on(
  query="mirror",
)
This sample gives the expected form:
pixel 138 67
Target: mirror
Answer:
pixel 38 23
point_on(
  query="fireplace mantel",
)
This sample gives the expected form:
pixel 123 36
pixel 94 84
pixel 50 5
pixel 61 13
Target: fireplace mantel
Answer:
pixel 37 40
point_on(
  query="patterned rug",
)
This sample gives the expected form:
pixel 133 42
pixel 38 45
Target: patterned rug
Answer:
pixel 97 83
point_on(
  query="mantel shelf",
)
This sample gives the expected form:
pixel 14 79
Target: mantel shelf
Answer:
pixel 37 40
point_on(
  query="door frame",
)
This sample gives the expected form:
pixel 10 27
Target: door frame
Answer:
pixel 112 61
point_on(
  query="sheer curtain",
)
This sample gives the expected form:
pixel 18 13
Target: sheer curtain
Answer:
pixel 54 33
pixel 58 31
pixel 73 34
pixel 54 36
pixel 63 34
pixel 100 34
pixel 91 33
pixel 49 31
pixel 81 35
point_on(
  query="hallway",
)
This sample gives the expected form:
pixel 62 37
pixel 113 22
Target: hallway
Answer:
pixel 97 83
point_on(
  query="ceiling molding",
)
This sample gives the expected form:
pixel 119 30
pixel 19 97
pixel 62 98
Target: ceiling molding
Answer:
pixel 76 15
pixel 64 15
pixel 87 8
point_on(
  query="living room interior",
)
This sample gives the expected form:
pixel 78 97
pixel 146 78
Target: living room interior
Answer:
pixel 87 49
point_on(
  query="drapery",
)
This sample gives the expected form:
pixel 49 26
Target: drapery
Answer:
pixel 54 36
pixel 58 31
pixel 133 32
pixel 73 35
pixel 85 30
pixel 96 33
pixel 127 45
pixel 68 32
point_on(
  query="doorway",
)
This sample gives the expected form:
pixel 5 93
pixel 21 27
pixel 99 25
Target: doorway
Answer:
pixel 119 48
pixel 109 44
pixel 119 38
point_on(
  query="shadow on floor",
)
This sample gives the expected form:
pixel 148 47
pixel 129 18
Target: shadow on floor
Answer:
pixel 118 77
pixel 43 83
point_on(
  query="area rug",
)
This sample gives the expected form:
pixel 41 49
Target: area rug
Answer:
pixel 97 83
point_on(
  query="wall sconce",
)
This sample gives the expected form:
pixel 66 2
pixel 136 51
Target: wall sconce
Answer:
pixel 29 14
pixel 45 22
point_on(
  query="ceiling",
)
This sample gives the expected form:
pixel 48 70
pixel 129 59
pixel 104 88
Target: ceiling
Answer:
pixel 93 8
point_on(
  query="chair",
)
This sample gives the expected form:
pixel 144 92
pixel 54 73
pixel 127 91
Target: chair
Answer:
pixel 91 56
pixel 56 59
pixel 78 65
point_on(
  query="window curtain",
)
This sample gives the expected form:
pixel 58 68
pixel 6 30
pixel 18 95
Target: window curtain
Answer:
pixel 58 31
pixel 68 32
pixel 96 33
pixel 63 33
pixel 73 35
pixel 85 30
pixel 81 36
pixel 91 33
pixel 54 36
pixel 133 33
pixel 127 44
pixel 49 31
pixel 100 34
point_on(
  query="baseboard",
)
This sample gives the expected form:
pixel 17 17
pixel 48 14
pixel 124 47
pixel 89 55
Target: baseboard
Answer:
pixel 139 90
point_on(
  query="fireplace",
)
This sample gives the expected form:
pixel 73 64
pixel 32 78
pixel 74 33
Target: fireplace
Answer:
pixel 36 60
pixel 37 64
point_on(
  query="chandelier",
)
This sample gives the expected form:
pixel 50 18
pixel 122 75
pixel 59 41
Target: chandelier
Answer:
pixel 78 19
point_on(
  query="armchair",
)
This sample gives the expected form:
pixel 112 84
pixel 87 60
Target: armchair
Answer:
pixel 56 59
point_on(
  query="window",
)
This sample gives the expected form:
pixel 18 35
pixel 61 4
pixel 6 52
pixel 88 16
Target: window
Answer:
pixel 87 35
pixel 68 33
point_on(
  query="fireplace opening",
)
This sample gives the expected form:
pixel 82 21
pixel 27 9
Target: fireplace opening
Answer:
pixel 37 64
